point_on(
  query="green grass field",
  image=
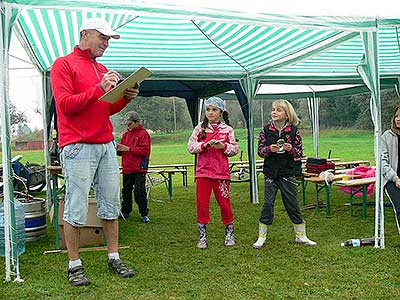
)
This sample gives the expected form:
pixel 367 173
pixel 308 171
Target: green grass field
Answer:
pixel 169 266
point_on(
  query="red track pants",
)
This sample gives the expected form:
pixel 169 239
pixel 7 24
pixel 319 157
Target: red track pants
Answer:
pixel 204 186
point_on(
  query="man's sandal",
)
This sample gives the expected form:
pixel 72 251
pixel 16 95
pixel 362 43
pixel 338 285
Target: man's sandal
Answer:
pixel 118 267
pixel 77 276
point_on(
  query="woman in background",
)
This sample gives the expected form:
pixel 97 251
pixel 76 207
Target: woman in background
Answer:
pixel 390 163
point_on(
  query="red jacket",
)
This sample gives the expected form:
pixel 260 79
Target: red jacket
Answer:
pixel 137 158
pixel 82 118
pixel 212 162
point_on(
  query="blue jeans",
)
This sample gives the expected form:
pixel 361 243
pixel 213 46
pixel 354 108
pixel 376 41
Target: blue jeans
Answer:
pixel 84 166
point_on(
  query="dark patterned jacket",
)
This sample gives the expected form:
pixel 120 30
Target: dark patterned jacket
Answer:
pixel 278 165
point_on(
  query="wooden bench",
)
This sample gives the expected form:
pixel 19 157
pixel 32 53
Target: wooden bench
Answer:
pixel 358 185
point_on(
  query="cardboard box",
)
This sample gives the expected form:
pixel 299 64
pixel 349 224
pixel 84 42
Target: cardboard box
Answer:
pixel 92 219
pixel 89 236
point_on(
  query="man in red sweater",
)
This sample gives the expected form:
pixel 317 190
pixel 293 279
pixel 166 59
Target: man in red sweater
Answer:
pixel 88 155
pixel 135 151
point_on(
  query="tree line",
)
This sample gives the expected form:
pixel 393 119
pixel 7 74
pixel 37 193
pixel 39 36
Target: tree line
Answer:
pixel 159 114
pixel 171 114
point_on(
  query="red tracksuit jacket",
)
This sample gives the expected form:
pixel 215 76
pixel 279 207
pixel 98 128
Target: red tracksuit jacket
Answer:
pixel 137 158
pixel 82 118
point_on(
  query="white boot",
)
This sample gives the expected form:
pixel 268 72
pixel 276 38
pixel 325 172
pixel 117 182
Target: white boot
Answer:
pixel 262 236
pixel 202 244
pixel 301 236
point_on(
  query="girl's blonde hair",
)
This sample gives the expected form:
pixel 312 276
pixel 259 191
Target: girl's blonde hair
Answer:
pixel 289 110
pixel 393 124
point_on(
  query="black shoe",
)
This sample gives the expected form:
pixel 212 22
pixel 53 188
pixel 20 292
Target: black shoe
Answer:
pixel 77 276
pixel 118 267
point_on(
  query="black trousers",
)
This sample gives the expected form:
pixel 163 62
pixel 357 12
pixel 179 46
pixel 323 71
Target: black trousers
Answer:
pixel 136 183
pixel 393 192
pixel 288 188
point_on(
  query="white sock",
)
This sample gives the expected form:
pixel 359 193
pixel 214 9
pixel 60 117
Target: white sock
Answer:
pixel 113 255
pixel 74 263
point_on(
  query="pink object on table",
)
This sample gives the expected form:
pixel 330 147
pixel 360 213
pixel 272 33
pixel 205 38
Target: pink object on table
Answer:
pixel 364 172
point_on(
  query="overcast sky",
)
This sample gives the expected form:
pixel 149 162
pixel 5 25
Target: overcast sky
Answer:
pixel 25 85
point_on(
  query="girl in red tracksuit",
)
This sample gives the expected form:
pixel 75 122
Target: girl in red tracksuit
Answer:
pixel 214 141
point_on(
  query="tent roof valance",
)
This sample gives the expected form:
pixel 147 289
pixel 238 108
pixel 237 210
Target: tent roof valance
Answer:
pixel 195 45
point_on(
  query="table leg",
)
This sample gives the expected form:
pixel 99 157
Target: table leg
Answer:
pixel 316 196
pixel 170 186
pixel 303 191
pixel 184 176
pixel 364 201
pixel 55 203
pixel 351 202
pixel 328 198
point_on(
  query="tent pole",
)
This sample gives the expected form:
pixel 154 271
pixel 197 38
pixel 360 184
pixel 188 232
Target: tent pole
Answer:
pixel 46 98
pixel 10 230
pixel 369 72
pixel 250 87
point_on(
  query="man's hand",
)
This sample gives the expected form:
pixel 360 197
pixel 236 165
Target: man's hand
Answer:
pixel 131 93
pixel 121 147
pixel 109 80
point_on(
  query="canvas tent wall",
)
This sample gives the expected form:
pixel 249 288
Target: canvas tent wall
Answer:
pixel 183 43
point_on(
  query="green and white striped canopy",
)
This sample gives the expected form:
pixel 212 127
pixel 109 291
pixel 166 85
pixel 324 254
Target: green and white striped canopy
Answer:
pixel 175 42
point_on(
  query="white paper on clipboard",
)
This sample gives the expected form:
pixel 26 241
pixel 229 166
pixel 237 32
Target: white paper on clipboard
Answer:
pixel 118 92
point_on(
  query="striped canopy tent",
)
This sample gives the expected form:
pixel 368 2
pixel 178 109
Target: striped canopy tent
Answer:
pixel 204 51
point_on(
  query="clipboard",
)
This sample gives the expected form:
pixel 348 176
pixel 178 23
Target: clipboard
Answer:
pixel 118 92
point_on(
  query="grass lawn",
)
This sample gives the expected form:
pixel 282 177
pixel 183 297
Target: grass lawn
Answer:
pixel 169 266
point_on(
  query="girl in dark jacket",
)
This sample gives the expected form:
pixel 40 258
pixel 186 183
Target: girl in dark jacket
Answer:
pixel 280 145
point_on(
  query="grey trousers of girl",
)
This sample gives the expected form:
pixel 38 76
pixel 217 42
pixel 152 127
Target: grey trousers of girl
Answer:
pixel 288 188
pixel 393 192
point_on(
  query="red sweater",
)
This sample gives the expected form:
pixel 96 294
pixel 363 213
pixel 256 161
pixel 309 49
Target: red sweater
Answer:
pixel 137 158
pixel 82 118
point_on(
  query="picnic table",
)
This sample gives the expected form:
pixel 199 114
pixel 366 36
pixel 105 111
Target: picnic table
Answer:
pixel 240 171
pixel 321 184
pixel 351 164
pixel 357 185
pixel 166 175
pixel 174 166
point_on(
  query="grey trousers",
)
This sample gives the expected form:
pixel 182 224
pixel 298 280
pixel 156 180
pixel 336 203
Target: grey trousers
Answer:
pixel 288 188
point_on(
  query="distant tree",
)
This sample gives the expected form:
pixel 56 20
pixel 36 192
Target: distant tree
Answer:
pixel 17 119
pixel 157 113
